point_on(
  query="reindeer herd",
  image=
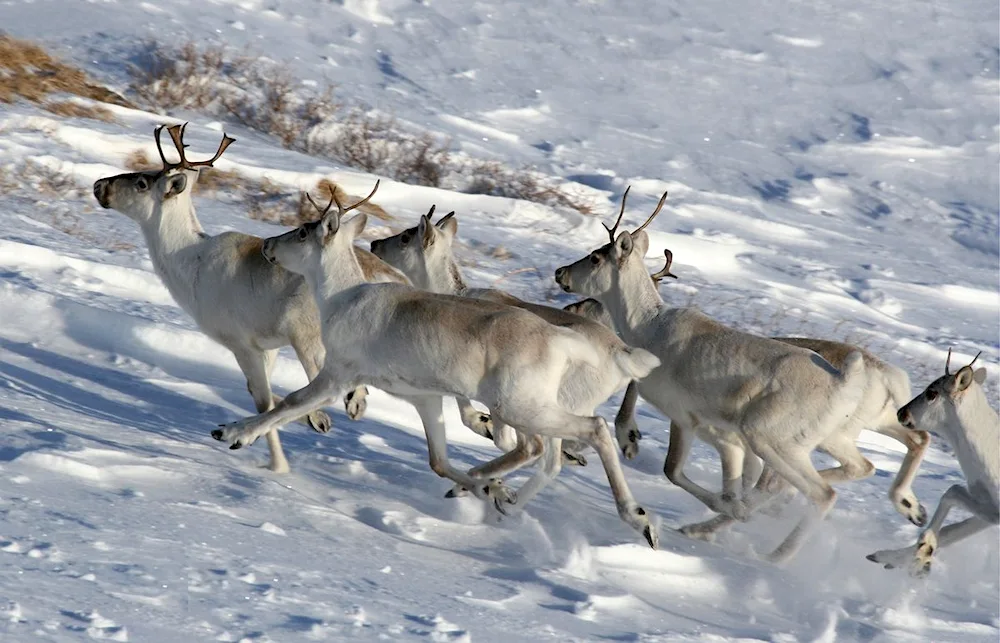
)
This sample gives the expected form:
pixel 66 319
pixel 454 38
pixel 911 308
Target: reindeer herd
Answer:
pixel 401 318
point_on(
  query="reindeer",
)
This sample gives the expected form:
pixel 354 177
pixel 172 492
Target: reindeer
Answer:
pixel 236 297
pixel 782 400
pixel 955 407
pixel 425 254
pixel 420 345
pixel 887 388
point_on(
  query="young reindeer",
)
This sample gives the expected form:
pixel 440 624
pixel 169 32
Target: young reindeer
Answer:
pixel 782 400
pixel 235 297
pixel 425 254
pixel 887 387
pixel 955 407
pixel 420 346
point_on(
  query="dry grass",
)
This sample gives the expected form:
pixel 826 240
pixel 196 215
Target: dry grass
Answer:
pixel 73 109
pixel 28 72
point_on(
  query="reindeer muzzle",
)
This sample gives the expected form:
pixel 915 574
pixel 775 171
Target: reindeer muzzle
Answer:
pixel 266 251
pixel 101 187
pixel 562 278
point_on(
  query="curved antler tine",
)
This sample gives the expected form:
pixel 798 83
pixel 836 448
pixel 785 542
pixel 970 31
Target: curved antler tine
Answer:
pixel 322 211
pixel 611 231
pixel 975 358
pixel 364 200
pixel 947 363
pixel 659 206
pixel 177 136
pixel 430 213
pixel 226 142
pixel 665 272
pixel 159 147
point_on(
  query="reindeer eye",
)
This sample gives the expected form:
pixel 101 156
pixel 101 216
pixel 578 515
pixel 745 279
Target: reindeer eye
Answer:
pixel 142 184
pixel 594 259
pixel 303 234
pixel 404 239
pixel 931 395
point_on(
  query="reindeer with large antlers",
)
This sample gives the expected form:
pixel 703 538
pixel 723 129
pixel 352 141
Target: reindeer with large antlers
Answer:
pixel 420 346
pixel 887 388
pixel 782 400
pixel 955 407
pixel 235 297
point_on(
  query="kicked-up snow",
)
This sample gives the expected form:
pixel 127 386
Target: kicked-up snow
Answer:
pixel 832 173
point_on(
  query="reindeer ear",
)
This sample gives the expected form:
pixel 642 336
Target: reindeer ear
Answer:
pixel 355 226
pixel 963 379
pixel 448 223
pixel 329 225
pixel 624 245
pixel 425 230
pixel 175 185
pixel 979 375
pixel 641 241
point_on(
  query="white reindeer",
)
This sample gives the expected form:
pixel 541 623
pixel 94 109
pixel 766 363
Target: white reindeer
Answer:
pixel 425 254
pixel 235 297
pixel 420 345
pixel 783 400
pixel 887 387
pixel 955 407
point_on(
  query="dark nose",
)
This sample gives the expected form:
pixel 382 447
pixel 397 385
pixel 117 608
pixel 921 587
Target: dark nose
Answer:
pixel 376 244
pixel 562 278
pixel 101 192
pixel 904 417
pixel 266 251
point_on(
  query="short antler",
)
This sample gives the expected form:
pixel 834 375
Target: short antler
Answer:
pixel 665 272
pixel 430 213
pixel 611 231
pixel 342 210
pixel 659 206
pixel 177 136
pixel 975 358
pixel 947 363
pixel 322 211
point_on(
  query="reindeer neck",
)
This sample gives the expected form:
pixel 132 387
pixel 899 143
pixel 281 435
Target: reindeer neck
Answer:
pixel 975 414
pixel 445 277
pixel 633 300
pixel 339 270
pixel 171 229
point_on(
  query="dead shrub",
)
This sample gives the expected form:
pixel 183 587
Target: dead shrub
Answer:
pixel 137 161
pixel 27 71
pixel 496 179
pixel 325 189
pixel 73 109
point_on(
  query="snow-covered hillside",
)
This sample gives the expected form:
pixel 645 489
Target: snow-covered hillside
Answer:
pixel 832 171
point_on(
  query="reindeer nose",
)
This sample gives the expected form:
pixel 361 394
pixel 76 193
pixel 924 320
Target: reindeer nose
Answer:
pixel 266 251
pixel 101 192
pixel 562 278
pixel 904 417
pixel 376 244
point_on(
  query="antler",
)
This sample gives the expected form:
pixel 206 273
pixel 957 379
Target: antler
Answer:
pixel 611 231
pixel 975 358
pixel 947 362
pixel 430 213
pixel 659 206
pixel 665 272
pixel 322 211
pixel 341 210
pixel 177 136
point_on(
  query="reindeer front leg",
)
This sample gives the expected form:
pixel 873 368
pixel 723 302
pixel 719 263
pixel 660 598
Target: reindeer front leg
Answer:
pixel 305 400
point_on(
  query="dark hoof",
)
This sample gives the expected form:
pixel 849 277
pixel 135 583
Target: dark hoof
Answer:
pixel 634 436
pixel 236 445
pixel 456 493
pixel 921 519
pixel 648 534
pixel 217 434
pixel 575 458
pixel 872 558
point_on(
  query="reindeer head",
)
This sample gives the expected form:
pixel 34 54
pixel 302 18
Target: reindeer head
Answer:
pixel 413 250
pixel 936 406
pixel 138 194
pixel 303 249
pixel 596 274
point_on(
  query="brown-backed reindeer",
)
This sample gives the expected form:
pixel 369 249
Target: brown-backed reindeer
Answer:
pixel 782 400
pixel 887 387
pixel 955 407
pixel 236 297
pixel 420 346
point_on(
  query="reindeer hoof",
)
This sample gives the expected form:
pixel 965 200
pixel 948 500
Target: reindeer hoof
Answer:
pixel 217 434
pixel 651 537
pixel 356 408
pixel 319 422
pixel 575 458
pixel 457 492
pixel 235 445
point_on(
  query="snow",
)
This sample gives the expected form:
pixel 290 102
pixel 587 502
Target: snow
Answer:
pixel 832 172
